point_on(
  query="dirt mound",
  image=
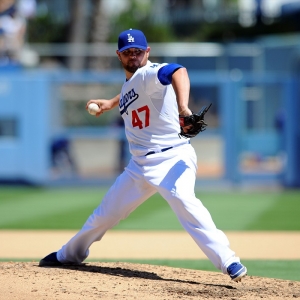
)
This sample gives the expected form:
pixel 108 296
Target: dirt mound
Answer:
pixel 24 281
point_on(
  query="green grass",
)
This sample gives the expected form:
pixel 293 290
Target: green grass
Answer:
pixel 282 215
pixel 30 208
pixel 254 210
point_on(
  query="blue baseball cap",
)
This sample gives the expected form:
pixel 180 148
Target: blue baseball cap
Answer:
pixel 132 38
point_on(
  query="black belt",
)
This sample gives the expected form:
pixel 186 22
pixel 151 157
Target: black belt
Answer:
pixel 162 150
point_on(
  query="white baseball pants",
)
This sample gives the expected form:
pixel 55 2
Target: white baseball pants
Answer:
pixel 172 174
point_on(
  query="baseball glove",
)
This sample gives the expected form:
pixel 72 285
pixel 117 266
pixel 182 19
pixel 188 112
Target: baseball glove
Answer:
pixel 195 123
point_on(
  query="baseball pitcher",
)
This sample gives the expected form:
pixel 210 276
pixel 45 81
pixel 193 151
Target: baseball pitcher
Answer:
pixel 158 123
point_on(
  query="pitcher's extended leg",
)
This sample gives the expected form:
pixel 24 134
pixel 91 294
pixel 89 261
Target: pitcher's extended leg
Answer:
pixel 121 199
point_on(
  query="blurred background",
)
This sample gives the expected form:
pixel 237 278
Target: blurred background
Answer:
pixel 243 56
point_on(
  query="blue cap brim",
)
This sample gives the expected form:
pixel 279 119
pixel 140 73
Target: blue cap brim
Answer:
pixel 132 46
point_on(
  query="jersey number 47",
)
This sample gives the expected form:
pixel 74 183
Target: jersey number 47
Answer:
pixel 141 117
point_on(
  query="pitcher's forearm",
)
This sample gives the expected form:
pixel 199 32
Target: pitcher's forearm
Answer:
pixel 181 85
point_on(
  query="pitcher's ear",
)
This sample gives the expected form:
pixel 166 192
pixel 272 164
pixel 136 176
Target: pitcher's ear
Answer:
pixel 118 54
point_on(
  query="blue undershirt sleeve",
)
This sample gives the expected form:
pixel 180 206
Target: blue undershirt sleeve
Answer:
pixel 165 73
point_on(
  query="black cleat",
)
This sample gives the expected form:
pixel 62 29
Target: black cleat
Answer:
pixel 50 261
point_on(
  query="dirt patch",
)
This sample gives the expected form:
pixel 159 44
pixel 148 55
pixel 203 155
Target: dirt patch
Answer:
pixel 24 281
pixel 113 281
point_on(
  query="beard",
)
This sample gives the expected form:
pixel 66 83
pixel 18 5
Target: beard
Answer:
pixel 131 67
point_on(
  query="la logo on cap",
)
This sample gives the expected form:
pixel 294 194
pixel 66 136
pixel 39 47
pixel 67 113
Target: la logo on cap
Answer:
pixel 130 38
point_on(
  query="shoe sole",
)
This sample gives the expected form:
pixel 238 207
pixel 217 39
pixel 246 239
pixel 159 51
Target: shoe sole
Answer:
pixel 239 278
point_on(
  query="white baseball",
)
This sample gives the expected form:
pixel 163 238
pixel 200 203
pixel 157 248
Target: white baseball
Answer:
pixel 93 108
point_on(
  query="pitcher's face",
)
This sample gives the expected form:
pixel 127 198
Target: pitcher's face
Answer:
pixel 133 58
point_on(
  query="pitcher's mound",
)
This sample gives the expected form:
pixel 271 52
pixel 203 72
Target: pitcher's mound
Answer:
pixel 109 281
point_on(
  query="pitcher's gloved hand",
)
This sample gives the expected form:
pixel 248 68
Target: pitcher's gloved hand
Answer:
pixel 193 124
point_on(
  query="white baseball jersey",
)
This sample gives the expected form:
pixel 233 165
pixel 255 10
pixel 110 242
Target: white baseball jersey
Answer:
pixel 150 112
